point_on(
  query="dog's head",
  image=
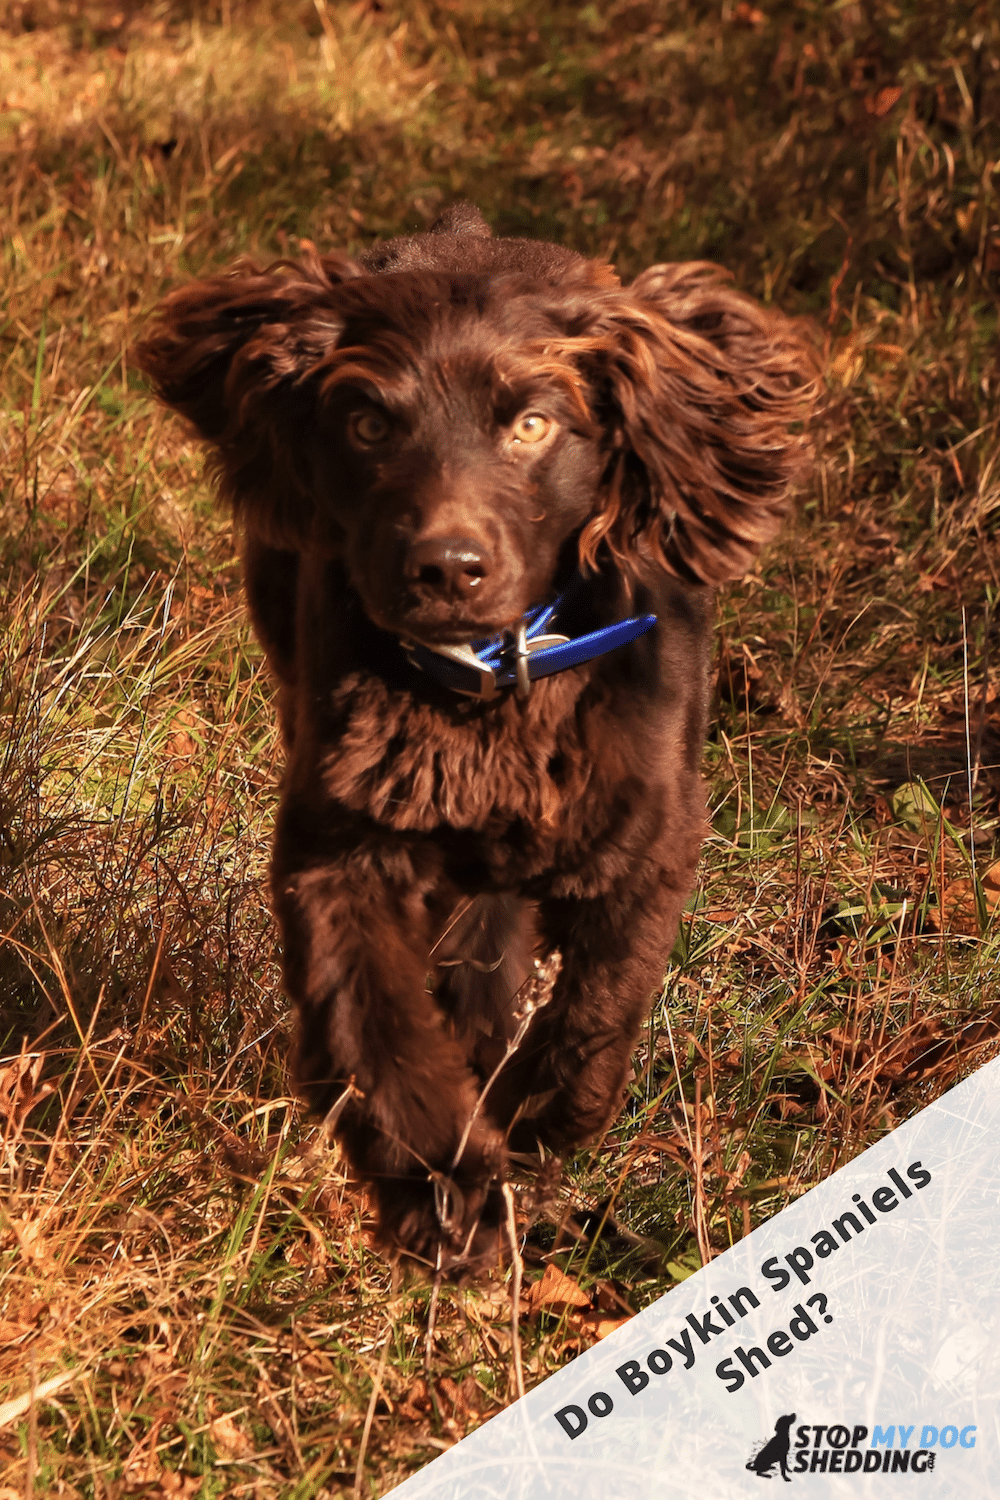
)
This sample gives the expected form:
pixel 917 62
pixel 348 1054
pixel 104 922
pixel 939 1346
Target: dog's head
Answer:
pixel 464 428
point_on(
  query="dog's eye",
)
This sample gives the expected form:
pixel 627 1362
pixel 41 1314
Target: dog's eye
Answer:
pixel 531 427
pixel 366 428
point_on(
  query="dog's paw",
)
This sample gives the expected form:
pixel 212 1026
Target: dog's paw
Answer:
pixel 453 1228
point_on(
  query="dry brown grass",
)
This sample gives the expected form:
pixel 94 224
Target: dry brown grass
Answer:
pixel 186 1282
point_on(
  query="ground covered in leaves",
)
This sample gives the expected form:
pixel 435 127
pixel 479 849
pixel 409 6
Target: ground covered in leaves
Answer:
pixel 187 1285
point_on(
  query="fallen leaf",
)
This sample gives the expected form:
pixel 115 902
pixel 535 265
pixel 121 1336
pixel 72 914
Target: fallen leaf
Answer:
pixel 893 354
pixel 179 1485
pixel 957 910
pixel 598 1324
pixel 180 742
pixel 880 103
pixel 29 1238
pixel 556 1292
pixel 965 216
pixel 142 1468
pixel 416 1404
pixel 461 1398
pixel 230 1440
pixel 20 1090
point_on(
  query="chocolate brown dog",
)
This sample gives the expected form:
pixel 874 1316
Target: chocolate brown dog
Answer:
pixel 483 492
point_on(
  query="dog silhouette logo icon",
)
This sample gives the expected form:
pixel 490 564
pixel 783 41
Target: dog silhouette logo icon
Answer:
pixel 774 1454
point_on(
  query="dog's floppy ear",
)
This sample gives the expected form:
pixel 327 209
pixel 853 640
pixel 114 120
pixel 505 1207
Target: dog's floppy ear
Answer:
pixel 233 354
pixel 701 392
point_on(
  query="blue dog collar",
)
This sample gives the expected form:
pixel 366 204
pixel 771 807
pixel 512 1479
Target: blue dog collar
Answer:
pixel 516 658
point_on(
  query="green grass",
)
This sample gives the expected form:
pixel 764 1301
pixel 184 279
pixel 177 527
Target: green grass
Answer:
pixel 178 1243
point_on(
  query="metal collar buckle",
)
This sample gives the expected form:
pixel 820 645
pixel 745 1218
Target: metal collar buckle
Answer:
pixel 513 645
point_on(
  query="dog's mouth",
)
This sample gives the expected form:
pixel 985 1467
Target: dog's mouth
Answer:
pixel 436 626
pixel 462 633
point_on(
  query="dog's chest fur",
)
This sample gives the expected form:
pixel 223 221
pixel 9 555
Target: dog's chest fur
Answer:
pixel 413 765
pixel 575 779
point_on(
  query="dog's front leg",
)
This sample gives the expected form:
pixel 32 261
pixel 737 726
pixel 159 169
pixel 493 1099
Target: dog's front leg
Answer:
pixel 373 1050
pixel 567 1081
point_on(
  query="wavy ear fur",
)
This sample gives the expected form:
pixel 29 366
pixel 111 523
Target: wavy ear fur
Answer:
pixel 233 354
pixel 702 392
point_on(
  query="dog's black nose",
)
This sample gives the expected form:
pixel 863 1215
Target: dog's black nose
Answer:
pixel 447 565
